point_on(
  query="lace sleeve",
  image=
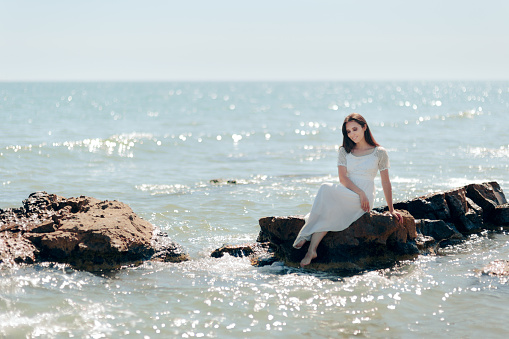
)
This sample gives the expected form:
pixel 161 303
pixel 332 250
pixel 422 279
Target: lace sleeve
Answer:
pixel 383 159
pixel 342 157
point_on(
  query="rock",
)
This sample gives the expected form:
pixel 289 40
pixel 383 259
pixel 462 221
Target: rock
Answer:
pixel 87 233
pixel 485 196
pixel 261 253
pixel 471 208
pixel 166 250
pixel 468 219
pixel 432 206
pixel 265 259
pixel 425 244
pixel 221 181
pixel 243 250
pixel 497 268
pixel 234 251
pixel 438 229
pixel 500 215
pixel 15 249
pixel 374 240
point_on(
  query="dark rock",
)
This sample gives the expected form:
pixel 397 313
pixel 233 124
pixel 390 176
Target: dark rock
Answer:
pixel 261 253
pixel 467 219
pixel 425 244
pixel 497 191
pixel 234 251
pixel 166 250
pixel 432 206
pixel 471 208
pixel 265 259
pixel 500 215
pixel 485 197
pixel 374 240
pixel 243 250
pixel 438 229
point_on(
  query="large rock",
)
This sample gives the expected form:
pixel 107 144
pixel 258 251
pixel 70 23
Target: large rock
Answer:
pixel 471 208
pixel 85 232
pixel 374 240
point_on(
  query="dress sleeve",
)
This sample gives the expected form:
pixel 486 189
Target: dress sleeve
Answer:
pixel 383 159
pixel 342 156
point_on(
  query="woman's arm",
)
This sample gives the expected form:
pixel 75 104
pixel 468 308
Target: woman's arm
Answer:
pixel 387 187
pixel 345 181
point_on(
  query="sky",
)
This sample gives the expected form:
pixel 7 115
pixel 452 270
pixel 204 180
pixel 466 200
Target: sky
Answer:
pixel 263 40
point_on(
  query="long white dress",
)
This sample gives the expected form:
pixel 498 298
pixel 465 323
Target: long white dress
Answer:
pixel 337 207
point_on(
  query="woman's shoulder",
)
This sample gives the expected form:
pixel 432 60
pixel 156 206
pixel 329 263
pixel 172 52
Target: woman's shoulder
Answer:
pixel 342 150
pixel 380 150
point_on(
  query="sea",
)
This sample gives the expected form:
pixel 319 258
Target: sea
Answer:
pixel 204 161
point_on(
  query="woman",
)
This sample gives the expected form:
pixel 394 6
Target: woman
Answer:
pixel 337 206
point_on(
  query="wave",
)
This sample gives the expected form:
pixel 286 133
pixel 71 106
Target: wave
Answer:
pixel 485 152
pixel 121 144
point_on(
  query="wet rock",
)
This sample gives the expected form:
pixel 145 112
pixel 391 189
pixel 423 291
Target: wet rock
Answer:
pixel 486 196
pixel 260 253
pixel 87 233
pixel 497 268
pixel 234 250
pixel 500 215
pixel 471 208
pixel 264 259
pixel 438 229
pixel 441 219
pixel 166 250
pixel 462 212
pixel 425 244
pixel 375 240
pixel 432 206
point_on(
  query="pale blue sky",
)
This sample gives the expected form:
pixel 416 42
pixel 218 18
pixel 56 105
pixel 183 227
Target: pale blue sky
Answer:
pixel 254 40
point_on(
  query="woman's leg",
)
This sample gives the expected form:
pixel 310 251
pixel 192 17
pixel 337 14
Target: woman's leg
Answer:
pixel 313 245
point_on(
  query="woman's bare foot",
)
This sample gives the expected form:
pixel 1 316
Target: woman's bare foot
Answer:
pixel 307 259
pixel 300 244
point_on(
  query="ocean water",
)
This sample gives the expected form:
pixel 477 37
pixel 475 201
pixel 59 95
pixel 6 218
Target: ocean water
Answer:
pixel 157 146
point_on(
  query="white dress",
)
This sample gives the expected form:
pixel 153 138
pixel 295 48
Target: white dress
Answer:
pixel 337 207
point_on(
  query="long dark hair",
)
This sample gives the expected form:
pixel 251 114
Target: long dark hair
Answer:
pixel 348 144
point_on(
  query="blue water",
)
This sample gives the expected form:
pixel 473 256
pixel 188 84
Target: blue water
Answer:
pixel 156 146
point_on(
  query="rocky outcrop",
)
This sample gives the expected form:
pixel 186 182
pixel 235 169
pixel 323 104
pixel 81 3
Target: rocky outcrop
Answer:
pixel 84 232
pixel 464 210
pixel 376 240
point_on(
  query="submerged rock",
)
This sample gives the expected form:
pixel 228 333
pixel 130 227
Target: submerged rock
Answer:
pixel 497 268
pixel 84 232
pixel 260 253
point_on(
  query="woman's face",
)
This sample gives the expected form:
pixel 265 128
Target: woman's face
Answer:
pixel 355 131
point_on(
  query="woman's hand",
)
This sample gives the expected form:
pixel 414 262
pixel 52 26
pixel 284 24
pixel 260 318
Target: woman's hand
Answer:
pixel 397 216
pixel 364 202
